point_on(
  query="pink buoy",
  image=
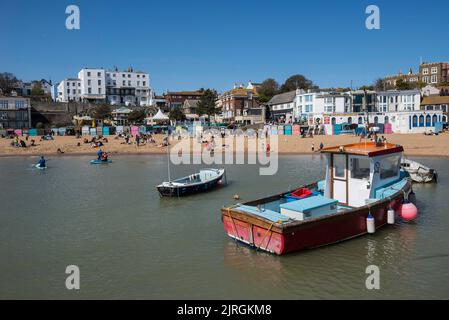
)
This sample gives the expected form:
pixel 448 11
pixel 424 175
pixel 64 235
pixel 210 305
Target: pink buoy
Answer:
pixel 408 211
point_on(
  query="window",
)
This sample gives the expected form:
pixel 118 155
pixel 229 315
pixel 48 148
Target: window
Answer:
pixel 129 83
pixel 434 70
pixel 124 83
pixel 138 83
pixel 129 75
pixel 99 82
pixel 339 166
pixel 143 83
pixel 89 90
pixel 68 84
pixel 138 76
pixel 99 74
pixel 389 167
pixel 20 104
pixel 88 74
pixel 434 79
pixel 425 71
pixel 425 79
pixel 99 90
pixel 421 121
pixel 360 168
pixel 68 91
pixel 88 82
pixel 415 121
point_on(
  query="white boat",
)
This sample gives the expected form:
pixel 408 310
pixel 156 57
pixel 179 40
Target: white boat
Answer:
pixel 204 180
pixel 419 172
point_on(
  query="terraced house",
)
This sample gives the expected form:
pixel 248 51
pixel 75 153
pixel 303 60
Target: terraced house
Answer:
pixel 15 112
pixel 240 104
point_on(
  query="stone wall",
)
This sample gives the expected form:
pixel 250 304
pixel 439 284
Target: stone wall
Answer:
pixel 57 113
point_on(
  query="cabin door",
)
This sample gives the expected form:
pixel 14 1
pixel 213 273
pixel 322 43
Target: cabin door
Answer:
pixel 340 178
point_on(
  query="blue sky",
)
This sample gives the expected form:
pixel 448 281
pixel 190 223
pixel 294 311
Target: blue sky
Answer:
pixel 203 43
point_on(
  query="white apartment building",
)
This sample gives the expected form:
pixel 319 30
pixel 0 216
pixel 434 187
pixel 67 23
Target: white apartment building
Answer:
pixel 395 100
pixel 93 84
pixel 128 88
pixel 304 104
pixel 115 87
pixel 69 90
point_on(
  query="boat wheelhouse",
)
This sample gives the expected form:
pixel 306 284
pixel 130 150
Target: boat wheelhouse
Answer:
pixel 363 181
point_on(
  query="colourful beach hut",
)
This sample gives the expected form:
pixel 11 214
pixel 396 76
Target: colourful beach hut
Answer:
pixel 105 131
pixel 99 131
pixel 93 131
pixel 134 130
pixel 18 132
pixel 288 130
pixel 119 129
pixel 274 130
pixel 296 130
pixel 32 132
pixel 281 130
pixel 62 131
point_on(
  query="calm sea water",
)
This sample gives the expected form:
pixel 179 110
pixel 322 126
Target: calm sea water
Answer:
pixel 129 243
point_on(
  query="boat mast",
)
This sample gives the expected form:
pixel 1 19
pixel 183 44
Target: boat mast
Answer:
pixel 168 154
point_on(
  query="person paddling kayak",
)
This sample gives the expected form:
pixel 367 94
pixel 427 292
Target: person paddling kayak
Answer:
pixel 42 163
pixel 100 154
pixel 104 156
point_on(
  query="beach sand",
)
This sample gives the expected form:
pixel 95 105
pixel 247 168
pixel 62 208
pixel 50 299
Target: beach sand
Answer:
pixel 414 145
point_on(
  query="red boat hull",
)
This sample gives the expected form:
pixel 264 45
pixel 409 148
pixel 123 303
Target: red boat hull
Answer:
pixel 280 240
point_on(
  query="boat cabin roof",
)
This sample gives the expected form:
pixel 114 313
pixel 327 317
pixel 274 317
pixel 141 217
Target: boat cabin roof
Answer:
pixel 369 149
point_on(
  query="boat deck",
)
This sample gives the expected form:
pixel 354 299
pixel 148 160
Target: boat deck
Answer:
pixel 271 210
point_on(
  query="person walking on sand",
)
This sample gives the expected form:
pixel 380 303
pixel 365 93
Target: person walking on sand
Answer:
pixel 321 146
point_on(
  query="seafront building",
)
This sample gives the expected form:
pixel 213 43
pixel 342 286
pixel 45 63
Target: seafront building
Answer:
pixel 128 88
pixel 400 111
pixel 434 73
pixel 240 104
pixel 15 112
pixel 69 90
pixel 96 85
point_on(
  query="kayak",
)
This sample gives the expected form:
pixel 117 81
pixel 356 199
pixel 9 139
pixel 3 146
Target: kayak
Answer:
pixel 37 166
pixel 100 161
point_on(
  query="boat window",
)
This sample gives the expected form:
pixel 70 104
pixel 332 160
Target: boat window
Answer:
pixel 360 168
pixel 339 166
pixel 389 167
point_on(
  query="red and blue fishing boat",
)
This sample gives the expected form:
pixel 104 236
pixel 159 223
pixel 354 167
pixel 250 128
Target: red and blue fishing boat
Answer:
pixel 364 189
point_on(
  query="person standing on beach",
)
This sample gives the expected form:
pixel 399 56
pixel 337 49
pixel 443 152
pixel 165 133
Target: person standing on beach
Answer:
pixel 313 147
pixel 137 140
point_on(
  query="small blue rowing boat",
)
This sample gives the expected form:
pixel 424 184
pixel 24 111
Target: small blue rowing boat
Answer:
pixel 100 161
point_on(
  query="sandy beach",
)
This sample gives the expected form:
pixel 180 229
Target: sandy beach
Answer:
pixel 414 145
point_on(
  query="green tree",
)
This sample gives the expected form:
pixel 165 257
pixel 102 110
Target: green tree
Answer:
pixel 37 90
pixel 176 114
pixel 102 112
pixel 267 90
pixel 7 82
pixel 136 116
pixel 297 81
pixel 267 113
pixel 207 104
pixel 403 85
pixel 380 85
